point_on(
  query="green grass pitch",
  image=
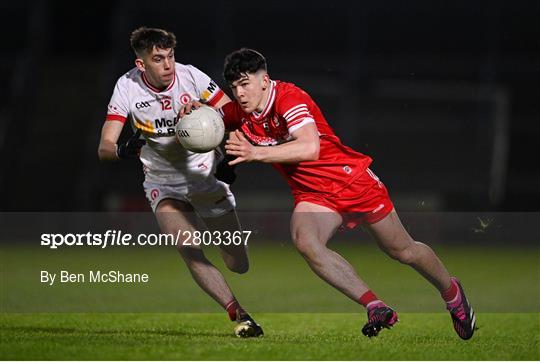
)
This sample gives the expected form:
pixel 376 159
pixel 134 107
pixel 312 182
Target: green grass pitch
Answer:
pixel 304 336
pixel 303 318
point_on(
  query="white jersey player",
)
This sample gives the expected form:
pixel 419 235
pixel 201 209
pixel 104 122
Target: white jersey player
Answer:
pixel 155 112
pixel 178 183
pixel 170 169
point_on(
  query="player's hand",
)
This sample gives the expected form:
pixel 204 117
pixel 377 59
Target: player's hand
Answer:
pixel 224 171
pixel 188 108
pixel 238 145
pixel 132 148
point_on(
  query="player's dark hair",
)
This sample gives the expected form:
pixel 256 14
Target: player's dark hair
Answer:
pixel 242 61
pixel 145 39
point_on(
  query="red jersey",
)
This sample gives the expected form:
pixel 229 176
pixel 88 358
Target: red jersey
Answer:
pixel 287 109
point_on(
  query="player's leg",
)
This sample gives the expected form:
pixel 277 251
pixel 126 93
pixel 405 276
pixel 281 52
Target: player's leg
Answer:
pixel 312 226
pixel 236 259
pixel 215 203
pixel 173 215
pixel 234 256
pixel 393 239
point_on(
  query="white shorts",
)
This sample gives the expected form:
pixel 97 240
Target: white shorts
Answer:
pixel 209 197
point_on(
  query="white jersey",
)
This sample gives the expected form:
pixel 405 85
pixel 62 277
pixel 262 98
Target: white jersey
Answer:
pixel 164 160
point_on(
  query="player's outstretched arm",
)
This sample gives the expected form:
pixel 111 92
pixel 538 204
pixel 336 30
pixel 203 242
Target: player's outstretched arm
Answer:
pixel 303 147
pixel 109 136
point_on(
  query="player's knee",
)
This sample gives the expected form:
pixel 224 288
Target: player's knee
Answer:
pixel 183 250
pixel 403 255
pixel 307 246
pixel 238 267
pixel 237 264
pixel 190 254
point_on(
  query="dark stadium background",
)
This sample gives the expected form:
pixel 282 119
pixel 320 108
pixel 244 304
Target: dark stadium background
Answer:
pixel 443 95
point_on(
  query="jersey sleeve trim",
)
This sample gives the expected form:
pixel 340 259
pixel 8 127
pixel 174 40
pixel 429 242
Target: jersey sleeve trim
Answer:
pixel 115 117
pixel 296 114
pixel 215 99
pixel 294 109
pixel 299 124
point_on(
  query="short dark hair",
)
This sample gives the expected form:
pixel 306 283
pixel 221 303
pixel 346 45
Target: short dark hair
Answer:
pixel 145 39
pixel 241 62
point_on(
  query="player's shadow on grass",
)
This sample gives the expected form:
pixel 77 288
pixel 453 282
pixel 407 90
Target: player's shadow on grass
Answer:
pixel 134 332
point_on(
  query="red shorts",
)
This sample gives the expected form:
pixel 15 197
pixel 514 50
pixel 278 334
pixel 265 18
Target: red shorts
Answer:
pixel 365 200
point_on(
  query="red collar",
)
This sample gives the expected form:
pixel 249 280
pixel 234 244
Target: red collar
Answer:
pixel 154 89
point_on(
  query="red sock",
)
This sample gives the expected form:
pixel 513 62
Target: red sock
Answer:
pixel 232 307
pixel 367 298
pixel 451 293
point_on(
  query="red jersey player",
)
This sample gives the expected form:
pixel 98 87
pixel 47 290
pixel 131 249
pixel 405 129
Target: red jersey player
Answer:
pixel 278 123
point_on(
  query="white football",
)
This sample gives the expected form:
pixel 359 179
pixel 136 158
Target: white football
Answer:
pixel 200 131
